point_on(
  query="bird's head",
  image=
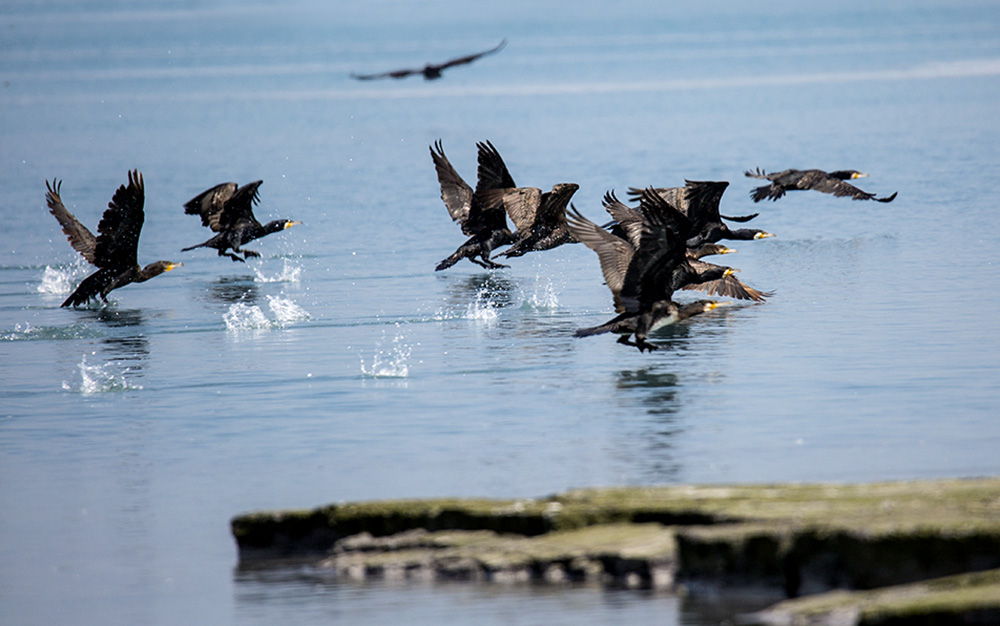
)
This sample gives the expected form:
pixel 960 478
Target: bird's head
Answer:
pixel 848 174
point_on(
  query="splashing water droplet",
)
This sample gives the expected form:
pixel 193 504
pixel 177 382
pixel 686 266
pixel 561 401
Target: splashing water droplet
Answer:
pixel 290 273
pixel 392 362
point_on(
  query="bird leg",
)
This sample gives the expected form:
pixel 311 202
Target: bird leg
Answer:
pixel 486 262
pixel 231 256
pixel 639 342
pixel 249 253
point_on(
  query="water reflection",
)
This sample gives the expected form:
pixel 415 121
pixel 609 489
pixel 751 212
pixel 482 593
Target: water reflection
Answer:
pixel 652 441
pixel 495 289
pixel 233 289
pixel 130 348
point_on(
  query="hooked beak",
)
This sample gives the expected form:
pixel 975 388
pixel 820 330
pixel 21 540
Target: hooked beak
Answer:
pixel 764 235
pixel 173 265
pixel 859 175
pixel 291 223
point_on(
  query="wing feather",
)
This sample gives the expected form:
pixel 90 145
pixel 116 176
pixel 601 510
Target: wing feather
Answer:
pixel 82 240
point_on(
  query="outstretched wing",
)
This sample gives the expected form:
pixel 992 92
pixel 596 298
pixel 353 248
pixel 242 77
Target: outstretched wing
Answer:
pixel 522 204
pixel 662 248
pixel 393 74
pixel 614 253
pixel 627 219
pixel 209 203
pixel 455 192
pixel 82 240
pixel 118 231
pixel 728 286
pixel 819 181
pixel 238 210
pixel 471 57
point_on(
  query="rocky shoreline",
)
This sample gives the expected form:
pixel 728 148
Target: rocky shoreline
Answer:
pixel 851 553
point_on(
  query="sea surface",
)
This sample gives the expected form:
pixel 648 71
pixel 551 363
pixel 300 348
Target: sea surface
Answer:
pixel 340 366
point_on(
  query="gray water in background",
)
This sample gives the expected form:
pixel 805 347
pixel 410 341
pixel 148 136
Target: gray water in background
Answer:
pixel 340 366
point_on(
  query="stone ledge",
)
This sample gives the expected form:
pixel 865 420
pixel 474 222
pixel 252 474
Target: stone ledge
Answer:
pixel 802 539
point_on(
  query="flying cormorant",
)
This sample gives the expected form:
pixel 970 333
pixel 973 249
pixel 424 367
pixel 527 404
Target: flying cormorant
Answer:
pixel 699 201
pixel 540 218
pixel 431 71
pixel 728 285
pixel 484 224
pixel 790 180
pixel 228 210
pixel 114 249
pixel 644 268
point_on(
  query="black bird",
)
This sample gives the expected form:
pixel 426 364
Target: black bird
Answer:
pixel 663 313
pixel 790 180
pixel 114 249
pixel 643 269
pixel 540 218
pixel 699 201
pixel 677 197
pixel 484 223
pixel 228 210
pixel 727 285
pixel 431 71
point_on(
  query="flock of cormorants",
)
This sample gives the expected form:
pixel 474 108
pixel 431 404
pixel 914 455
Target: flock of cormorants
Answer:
pixel 227 209
pixel 646 252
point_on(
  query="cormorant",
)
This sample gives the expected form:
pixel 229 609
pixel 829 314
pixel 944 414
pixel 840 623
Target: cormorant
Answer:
pixel 790 180
pixel 540 218
pixel 114 249
pixel 484 223
pixel 699 201
pixel 663 313
pixel 728 285
pixel 430 71
pixel 228 210
pixel 644 268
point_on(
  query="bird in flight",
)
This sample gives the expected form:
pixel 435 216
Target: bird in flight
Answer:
pixel 227 209
pixel 113 249
pixel 790 180
pixel 430 71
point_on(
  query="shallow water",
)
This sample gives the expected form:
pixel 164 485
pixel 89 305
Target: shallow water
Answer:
pixel 340 366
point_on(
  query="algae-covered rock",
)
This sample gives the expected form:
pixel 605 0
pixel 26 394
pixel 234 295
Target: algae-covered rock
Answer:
pixel 798 538
pixel 962 599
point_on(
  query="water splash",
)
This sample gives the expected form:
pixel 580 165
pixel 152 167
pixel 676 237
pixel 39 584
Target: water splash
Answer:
pixel 242 316
pixel 391 362
pixel 103 378
pixel 545 296
pixel 290 273
pixel 286 311
pixel 58 281
pixel 483 308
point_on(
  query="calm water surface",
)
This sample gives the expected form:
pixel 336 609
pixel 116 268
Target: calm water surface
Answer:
pixel 340 366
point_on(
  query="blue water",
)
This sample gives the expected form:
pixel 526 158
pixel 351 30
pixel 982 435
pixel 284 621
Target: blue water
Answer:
pixel 340 366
